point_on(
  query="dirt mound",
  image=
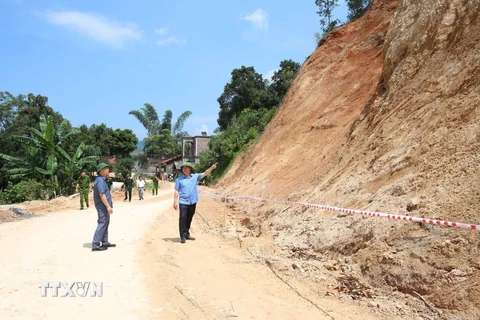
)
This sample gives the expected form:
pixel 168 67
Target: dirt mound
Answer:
pixel 29 209
pixel 382 117
pixel 13 214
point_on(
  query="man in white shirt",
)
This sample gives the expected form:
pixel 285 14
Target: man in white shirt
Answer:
pixel 141 187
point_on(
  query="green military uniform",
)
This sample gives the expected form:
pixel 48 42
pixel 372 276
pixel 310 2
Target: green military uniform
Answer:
pixel 128 185
pixel 155 186
pixel 84 188
pixel 109 182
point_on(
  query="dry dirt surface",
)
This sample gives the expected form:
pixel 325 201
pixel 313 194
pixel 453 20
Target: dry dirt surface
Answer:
pixel 383 116
pixel 150 274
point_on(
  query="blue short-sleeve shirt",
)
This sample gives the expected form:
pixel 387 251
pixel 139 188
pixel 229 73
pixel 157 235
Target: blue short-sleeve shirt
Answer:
pixel 187 188
pixel 100 186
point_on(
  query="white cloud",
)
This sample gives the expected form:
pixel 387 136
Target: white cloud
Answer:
pixel 258 18
pixel 171 40
pixel 96 27
pixel 168 40
pixel 268 76
pixel 161 31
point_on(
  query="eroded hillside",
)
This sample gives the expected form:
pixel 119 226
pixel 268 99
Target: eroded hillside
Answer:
pixel 382 117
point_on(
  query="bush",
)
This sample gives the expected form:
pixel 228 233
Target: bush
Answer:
pixel 23 191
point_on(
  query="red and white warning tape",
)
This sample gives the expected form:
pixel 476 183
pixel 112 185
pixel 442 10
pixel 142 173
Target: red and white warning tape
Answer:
pixel 352 211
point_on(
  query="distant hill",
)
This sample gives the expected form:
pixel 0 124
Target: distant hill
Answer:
pixel 140 145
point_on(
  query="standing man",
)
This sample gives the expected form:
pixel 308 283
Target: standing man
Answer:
pixel 104 206
pixel 84 184
pixel 128 186
pixel 141 187
pixel 186 197
pixel 155 184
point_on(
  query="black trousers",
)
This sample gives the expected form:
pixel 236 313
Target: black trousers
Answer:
pixel 186 215
pixel 129 193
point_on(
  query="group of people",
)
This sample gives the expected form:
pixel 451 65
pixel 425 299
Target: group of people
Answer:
pixel 84 186
pixel 184 200
pixel 141 183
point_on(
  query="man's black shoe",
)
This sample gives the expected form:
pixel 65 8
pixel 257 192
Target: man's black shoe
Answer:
pixel 189 238
pixel 108 245
pixel 182 240
pixel 99 249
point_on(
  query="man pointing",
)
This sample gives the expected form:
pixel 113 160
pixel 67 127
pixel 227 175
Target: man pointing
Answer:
pixel 186 197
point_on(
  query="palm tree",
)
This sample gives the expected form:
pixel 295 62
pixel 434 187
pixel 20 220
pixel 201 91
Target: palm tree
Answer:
pixel 161 133
pixel 178 126
pixel 148 117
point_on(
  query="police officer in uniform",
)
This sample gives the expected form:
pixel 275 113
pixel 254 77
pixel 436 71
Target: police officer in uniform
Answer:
pixel 84 185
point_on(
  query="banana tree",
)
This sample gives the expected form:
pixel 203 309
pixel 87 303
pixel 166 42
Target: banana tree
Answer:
pixel 73 165
pixel 46 154
pixel 24 167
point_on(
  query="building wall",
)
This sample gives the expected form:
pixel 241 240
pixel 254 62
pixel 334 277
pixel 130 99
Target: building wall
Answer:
pixel 198 143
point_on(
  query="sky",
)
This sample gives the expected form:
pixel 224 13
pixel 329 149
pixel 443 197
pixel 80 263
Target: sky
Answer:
pixel 98 60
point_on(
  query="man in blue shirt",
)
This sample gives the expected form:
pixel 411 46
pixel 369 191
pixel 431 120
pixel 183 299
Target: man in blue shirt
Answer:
pixel 186 197
pixel 104 205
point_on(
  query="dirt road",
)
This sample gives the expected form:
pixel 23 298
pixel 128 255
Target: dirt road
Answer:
pixel 150 274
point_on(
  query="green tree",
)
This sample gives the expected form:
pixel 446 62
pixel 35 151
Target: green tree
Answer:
pixel 325 11
pixel 9 106
pixel 162 144
pixel 282 79
pixel 29 114
pixel 356 8
pixel 99 138
pixel 246 90
pixel 242 130
pixel 247 105
pixel 123 142
pixel 207 158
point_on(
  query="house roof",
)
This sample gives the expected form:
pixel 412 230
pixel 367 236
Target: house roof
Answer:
pixel 176 158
